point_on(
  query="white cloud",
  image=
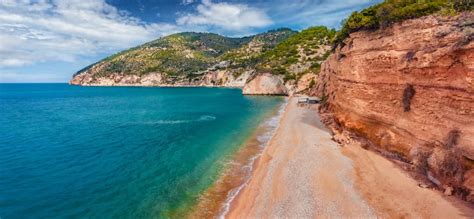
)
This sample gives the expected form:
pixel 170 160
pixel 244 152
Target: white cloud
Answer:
pixel 33 31
pixel 187 2
pixel 226 16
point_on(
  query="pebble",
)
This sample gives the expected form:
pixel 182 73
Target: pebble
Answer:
pixel 448 191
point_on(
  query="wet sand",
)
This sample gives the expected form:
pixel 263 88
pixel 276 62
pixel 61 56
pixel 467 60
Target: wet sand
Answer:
pixel 304 174
pixel 216 199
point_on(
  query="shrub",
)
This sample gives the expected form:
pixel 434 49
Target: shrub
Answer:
pixel 286 52
pixel 452 138
pixel 451 165
pixel 312 83
pixel 463 5
pixel 288 77
pixel 408 94
pixel 279 71
pixel 324 100
pixel 419 156
pixel 409 56
pixel 315 67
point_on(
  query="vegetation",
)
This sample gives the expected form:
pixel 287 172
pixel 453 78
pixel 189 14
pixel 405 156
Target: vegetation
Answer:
pixel 306 49
pixel 408 94
pixel 312 83
pixel 391 11
pixel 250 54
pixel 419 156
pixel 190 54
pixel 452 139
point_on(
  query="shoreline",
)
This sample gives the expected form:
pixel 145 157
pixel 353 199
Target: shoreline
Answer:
pixel 216 200
pixel 157 86
pixel 303 173
pixel 264 139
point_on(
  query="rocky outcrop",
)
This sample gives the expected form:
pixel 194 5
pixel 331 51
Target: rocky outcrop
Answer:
pixel 217 78
pixel 409 89
pixel 265 84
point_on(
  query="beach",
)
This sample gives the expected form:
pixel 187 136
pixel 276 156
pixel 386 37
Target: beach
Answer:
pixel 302 173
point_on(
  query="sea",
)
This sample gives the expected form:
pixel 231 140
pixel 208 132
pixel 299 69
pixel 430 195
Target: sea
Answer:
pixel 119 152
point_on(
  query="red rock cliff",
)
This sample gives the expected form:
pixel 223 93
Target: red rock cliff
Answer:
pixel 409 89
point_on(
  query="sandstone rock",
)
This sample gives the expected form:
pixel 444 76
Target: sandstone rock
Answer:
pixel 469 180
pixel 339 138
pixel 265 84
pixel 423 185
pixel 305 81
pixel 364 84
pixel 470 197
pixel 448 191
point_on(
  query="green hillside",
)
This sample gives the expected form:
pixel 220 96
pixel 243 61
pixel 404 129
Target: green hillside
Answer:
pixel 186 53
pixel 304 50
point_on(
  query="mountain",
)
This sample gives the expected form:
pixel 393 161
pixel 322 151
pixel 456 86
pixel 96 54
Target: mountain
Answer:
pixel 207 59
pixel 180 59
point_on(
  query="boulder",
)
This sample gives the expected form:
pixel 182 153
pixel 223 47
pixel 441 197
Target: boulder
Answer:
pixel 265 84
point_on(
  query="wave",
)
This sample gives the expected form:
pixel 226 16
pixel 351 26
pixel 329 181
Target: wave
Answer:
pixel 200 119
pixel 271 126
pixel 206 118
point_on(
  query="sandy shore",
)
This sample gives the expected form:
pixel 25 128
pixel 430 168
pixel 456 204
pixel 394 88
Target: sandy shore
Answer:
pixel 304 174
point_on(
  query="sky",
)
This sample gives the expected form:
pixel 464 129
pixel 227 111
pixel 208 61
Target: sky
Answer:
pixel 49 40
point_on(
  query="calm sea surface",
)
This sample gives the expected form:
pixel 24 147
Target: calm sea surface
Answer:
pixel 117 152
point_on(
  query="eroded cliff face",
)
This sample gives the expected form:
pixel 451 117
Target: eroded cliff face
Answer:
pixel 409 89
pixel 251 82
pixel 218 78
pixel 265 84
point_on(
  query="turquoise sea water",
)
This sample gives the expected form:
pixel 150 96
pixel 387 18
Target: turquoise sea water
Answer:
pixel 116 152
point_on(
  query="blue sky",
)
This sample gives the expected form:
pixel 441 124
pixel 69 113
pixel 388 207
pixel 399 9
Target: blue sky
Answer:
pixel 49 40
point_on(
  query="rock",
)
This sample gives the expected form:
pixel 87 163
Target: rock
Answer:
pixel 448 191
pixel 423 185
pixel 305 82
pixel 339 138
pixel 470 197
pixel 469 180
pixel 211 78
pixel 151 79
pixel 361 80
pixel 469 184
pixel 433 179
pixel 265 84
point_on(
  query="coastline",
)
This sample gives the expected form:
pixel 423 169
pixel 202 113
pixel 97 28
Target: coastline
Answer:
pixel 215 201
pixel 157 86
pixel 303 173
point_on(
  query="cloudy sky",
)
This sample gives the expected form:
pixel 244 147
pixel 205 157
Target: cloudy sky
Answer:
pixel 49 40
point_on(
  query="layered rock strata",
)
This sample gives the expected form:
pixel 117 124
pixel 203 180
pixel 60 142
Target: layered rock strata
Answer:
pixel 409 89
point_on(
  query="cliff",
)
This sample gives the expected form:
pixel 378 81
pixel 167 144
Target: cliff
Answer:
pixel 265 84
pixel 409 90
